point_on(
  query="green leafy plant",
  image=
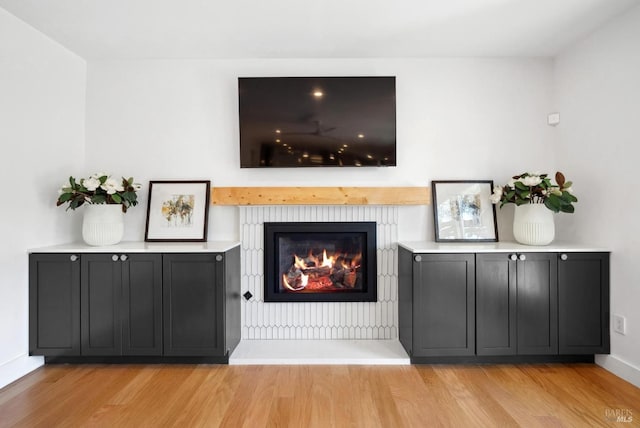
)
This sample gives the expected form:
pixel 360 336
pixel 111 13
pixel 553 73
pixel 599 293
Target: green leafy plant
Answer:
pixel 533 188
pixel 100 188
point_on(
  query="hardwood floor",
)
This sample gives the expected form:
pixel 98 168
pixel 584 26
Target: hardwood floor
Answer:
pixel 546 395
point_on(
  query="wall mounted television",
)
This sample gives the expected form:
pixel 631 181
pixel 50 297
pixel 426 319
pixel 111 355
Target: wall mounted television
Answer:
pixel 317 121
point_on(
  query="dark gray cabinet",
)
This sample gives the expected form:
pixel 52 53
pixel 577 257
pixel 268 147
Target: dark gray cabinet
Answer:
pixel 54 304
pixel 441 304
pixel 496 305
pixel 502 307
pixel 201 305
pixel 121 304
pixel 583 301
pixel 142 305
pixel 517 304
pixel 159 307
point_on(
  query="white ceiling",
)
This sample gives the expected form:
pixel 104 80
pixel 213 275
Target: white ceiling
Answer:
pixel 109 29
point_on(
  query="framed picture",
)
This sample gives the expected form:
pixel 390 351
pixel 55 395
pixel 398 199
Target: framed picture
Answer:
pixel 177 211
pixel 463 212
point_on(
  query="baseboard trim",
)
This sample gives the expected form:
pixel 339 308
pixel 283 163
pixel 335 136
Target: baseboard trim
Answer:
pixel 20 366
pixel 504 359
pixel 132 359
pixel 620 368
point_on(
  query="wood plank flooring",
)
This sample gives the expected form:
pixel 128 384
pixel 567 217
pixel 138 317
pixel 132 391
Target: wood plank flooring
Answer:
pixel 544 395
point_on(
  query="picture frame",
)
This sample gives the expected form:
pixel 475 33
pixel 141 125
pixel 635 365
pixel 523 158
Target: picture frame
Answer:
pixel 177 211
pixel 463 211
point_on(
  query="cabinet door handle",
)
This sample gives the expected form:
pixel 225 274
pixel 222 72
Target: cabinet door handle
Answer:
pixel 563 256
pixel 219 258
pixel 522 257
pixel 513 257
pixel 418 258
pixel 114 257
pixel 124 257
pixel 73 257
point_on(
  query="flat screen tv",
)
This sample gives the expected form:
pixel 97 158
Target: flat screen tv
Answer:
pixel 317 121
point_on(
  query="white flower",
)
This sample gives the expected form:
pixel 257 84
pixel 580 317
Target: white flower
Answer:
pixel 512 184
pixel 496 195
pixel 91 183
pixel 531 180
pixel 112 186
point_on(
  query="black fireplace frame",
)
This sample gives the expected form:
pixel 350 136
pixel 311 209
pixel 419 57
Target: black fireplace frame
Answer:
pixel 272 231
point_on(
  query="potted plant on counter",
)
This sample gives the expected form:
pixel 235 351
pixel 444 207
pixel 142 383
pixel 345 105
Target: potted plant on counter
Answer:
pixel 536 198
pixel 106 200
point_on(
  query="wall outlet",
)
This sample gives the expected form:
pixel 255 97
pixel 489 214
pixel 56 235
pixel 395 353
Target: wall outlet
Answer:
pixel 619 324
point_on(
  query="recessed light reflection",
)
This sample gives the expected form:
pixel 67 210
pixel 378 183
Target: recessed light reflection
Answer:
pixel 360 135
pixel 318 93
pixel 277 131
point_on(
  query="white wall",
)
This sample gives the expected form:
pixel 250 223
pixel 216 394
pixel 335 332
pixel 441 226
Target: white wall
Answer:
pixel 598 96
pixel 456 119
pixel 42 102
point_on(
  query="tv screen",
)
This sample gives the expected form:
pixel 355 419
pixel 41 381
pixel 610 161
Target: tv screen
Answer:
pixel 317 121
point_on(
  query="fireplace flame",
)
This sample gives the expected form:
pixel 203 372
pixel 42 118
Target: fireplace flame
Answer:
pixel 322 272
pixel 299 263
pixel 355 262
pixel 327 261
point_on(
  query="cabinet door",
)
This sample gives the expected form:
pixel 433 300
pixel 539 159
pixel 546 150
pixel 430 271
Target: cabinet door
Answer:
pixel 54 304
pixel 193 296
pixel 495 304
pixel 141 308
pixel 100 304
pixel 516 303
pixel 537 304
pixel 583 306
pixel 443 304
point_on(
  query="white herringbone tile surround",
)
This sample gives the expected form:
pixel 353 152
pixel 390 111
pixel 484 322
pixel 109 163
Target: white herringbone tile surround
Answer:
pixel 319 321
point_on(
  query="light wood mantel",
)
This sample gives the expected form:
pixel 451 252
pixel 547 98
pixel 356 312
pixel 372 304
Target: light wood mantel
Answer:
pixel 320 196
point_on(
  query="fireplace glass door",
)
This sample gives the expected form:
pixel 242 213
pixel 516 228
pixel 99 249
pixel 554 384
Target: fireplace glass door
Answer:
pixel 320 262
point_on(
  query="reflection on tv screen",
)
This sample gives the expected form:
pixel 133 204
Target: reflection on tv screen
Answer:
pixel 317 121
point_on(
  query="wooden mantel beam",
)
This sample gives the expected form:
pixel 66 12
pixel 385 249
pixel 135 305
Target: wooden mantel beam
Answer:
pixel 320 196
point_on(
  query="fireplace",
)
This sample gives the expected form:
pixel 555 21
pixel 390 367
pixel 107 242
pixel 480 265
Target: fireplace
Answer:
pixel 320 262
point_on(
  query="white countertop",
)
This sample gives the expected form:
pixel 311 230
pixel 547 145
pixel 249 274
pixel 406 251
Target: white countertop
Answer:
pixel 141 247
pixel 495 247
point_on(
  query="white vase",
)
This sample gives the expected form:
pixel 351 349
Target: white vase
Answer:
pixel 103 224
pixel 533 225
